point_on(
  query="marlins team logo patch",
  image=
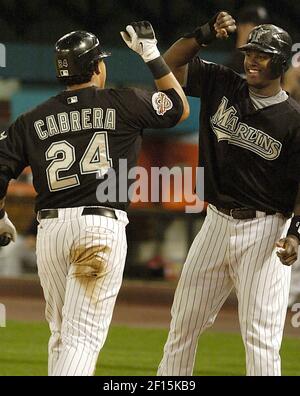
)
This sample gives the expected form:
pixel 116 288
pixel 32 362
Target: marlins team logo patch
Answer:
pixel 161 103
pixel 226 126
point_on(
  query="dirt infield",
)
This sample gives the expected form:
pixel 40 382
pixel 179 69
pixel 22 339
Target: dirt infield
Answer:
pixel 140 304
pixel 138 315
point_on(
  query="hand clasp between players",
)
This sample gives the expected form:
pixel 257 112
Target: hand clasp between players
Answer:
pixel 140 37
pixel 288 250
pixel 7 231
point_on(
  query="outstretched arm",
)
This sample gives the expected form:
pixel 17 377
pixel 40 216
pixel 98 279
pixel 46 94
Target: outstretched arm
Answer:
pixel 140 37
pixel 185 49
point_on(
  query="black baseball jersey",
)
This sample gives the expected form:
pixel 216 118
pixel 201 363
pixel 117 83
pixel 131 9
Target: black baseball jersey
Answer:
pixel 251 158
pixel 73 140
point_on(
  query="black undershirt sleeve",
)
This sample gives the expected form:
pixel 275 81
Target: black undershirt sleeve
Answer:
pixel 13 153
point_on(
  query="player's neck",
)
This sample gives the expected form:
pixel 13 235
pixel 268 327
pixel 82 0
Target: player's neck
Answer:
pixel 80 86
pixel 270 90
pixel 96 81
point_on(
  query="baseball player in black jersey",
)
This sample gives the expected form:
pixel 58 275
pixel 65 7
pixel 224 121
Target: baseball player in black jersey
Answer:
pixel 68 140
pixel 249 146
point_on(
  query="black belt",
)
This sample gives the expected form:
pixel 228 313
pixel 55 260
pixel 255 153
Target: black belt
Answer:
pixel 53 213
pixel 244 213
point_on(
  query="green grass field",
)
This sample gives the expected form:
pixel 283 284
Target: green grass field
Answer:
pixel 130 351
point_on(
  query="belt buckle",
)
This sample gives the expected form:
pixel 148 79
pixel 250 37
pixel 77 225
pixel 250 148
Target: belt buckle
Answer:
pixel 236 213
pixel 235 210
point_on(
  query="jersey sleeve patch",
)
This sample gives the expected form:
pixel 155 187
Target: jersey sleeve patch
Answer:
pixel 161 103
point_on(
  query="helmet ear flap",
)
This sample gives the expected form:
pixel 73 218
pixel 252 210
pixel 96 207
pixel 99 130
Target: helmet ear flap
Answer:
pixel 278 65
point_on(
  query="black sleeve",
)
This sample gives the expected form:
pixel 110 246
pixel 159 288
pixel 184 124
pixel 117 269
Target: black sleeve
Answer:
pixel 12 152
pixel 207 78
pixel 146 109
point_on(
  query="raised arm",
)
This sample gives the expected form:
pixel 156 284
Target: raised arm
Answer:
pixel 140 37
pixel 185 49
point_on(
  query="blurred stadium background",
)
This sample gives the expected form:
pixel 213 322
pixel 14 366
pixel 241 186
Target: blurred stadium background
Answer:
pixel 159 235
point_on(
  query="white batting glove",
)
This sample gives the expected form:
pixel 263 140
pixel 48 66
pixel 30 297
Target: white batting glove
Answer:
pixel 7 227
pixel 140 37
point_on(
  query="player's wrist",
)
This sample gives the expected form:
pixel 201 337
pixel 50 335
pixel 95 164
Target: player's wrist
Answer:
pixel 204 34
pixel 294 230
pixel 158 67
pixel 151 52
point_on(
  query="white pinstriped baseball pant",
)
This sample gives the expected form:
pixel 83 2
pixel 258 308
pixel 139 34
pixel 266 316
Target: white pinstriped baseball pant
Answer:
pixel 227 254
pixel 80 264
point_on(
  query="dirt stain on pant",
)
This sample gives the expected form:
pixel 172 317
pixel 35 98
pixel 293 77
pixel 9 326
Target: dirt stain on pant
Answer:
pixel 90 267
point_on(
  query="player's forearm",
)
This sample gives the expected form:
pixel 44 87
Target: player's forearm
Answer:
pixel 180 54
pixel 294 230
pixel 186 48
pixel 164 80
pixel 168 82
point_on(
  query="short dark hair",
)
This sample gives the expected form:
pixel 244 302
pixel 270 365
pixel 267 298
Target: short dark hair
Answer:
pixel 84 78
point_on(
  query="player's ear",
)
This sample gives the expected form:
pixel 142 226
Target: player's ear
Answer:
pixel 98 67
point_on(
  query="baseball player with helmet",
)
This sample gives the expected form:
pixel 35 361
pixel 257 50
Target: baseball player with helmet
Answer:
pixel 249 146
pixel 71 142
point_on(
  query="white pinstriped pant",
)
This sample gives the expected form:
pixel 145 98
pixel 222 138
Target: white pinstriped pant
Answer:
pixel 80 264
pixel 228 254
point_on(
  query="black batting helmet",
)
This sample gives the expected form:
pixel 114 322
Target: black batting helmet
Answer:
pixel 75 52
pixel 271 40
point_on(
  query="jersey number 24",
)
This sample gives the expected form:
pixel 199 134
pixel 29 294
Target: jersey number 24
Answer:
pixel 62 154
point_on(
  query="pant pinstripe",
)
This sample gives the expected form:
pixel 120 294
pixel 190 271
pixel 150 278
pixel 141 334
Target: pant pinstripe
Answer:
pixel 80 264
pixel 229 254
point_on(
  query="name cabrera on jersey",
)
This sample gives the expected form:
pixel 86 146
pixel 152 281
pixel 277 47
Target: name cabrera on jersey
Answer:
pixel 251 157
pixel 75 137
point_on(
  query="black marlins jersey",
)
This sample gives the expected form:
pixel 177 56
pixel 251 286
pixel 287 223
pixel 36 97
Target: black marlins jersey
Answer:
pixel 251 158
pixel 72 140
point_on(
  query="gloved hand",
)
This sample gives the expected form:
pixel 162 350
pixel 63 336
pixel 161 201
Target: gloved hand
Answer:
pixel 140 37
pixel 7 231
pixel 219 26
